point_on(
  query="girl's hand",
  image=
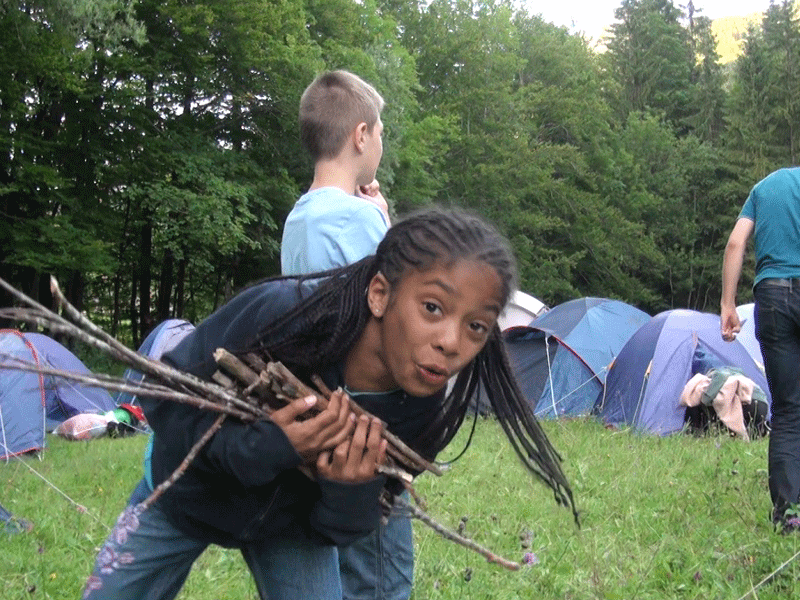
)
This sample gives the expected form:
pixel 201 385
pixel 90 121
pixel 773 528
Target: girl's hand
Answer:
pixel 321 432
pixel 355 460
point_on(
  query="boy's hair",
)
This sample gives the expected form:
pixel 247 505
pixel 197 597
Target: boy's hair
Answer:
pixel 331 107
pixel 321 330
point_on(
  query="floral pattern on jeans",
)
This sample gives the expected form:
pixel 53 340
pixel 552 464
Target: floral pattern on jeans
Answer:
pixel 110 558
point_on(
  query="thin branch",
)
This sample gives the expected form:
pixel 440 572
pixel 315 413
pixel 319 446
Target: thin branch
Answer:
pixel 124 385
pixel 210 396
pixel 164 485
pixel 769 577
pixel 453 536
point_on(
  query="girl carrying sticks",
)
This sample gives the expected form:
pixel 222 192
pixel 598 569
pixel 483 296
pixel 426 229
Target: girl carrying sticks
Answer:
pixel 389 331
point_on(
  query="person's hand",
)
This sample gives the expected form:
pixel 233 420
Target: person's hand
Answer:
pixel 372 193
pixel 730 324
pixel 355 460
pixel 321 432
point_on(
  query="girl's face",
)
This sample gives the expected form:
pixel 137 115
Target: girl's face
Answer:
pixel 431 325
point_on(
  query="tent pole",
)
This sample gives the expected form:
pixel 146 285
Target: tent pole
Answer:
pixel 641 392
pixel 550 374
pixel 3 427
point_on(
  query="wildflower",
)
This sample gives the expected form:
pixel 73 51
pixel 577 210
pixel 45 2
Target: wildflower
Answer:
pixel 530 559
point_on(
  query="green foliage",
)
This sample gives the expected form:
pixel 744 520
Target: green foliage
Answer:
pixel 649 55
pixel 660 518
pixel 151 148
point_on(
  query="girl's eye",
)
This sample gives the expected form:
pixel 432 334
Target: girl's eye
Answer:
pixel 432 308
pixel 478 327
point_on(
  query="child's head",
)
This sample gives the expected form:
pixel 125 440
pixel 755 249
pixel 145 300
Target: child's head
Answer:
pixel 433 238
pixel 441 280
pixel 331 107
pixel 433 263
pixel 437 235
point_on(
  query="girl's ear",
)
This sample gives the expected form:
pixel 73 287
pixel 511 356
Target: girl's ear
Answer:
pixel 378 293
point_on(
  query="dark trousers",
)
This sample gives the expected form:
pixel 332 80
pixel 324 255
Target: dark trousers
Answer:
pixel 777 317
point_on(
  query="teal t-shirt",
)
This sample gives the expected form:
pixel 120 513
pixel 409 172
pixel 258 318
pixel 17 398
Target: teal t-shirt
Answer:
pixel 774 206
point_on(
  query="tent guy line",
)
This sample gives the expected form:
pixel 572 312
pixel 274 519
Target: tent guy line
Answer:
pixel 79 507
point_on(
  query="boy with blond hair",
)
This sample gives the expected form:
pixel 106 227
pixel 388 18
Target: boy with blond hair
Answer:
pixel 343 216
pixel 340 220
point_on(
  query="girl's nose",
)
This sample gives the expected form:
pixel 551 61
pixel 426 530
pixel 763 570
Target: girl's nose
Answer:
pixel 449 338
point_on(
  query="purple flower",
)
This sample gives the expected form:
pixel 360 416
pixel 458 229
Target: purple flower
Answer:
pixel 108 560
pixel 128 522
pixel 530 559
pixel 92 584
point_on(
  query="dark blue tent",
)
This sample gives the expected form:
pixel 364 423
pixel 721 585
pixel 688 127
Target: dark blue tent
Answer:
pixel 32 404
pixel 165 336
pixel 644 384
pixel 560 359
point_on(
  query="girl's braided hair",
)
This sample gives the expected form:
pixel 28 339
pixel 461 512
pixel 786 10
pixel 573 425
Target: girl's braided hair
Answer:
pixel 323 328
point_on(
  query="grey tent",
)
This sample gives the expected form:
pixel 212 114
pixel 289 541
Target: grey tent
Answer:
pixel 31 404
pixel 165 336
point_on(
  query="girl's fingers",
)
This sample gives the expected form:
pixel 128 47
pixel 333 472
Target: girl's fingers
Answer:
pixel 373 445
pixel 293 410
pixel 336 421
pixel 357 444
pixel 323 461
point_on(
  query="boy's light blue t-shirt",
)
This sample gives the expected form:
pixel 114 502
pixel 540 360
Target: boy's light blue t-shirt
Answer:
pixel 774 206
pixel 326 229
pixel 329 228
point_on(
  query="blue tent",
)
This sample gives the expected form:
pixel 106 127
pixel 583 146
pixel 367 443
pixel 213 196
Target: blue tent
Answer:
pixel 32 404
pixel 561 358
pixel 165 336
pixel 645 382
pixel 747 336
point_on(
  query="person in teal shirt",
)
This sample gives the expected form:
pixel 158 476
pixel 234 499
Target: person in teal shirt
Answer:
pixel 772 213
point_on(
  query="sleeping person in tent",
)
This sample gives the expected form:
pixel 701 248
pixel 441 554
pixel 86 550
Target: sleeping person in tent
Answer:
pixel 718 393
pixel 124 420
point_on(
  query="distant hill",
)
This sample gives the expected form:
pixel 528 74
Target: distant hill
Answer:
pixel 730 32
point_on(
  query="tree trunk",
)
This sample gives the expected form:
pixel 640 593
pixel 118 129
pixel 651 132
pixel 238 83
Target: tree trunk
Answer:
pixel 145 278
pixel 180 288
pixel 165 285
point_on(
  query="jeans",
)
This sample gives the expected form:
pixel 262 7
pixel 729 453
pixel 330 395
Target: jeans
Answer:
pixel 777 317
pixel 381 565
pixel 146 558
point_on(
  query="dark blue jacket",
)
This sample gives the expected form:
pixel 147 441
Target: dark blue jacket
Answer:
pixel 243 485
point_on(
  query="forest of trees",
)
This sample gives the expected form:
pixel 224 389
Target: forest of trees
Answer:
pixel 149 149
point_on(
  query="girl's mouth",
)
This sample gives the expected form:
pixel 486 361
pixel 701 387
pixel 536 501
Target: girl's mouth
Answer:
pixel 433 375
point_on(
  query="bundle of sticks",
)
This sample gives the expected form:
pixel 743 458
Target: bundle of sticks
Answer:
pixel 247 388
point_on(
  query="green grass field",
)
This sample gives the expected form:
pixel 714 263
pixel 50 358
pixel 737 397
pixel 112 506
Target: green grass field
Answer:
pixel 678 517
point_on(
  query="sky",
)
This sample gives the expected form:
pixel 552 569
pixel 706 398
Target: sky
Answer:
pixel 592 16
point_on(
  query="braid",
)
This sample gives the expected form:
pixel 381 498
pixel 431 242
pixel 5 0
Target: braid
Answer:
pixel 323 328
pixel 518 422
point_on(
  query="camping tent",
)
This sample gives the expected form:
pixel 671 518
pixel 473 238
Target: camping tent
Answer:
pixel 561 359
pixel 521 309
pixel 164 337
pixel 747 336
pixel 645 382
pixel 32 404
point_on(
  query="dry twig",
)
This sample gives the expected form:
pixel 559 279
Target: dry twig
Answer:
pixel 265 386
